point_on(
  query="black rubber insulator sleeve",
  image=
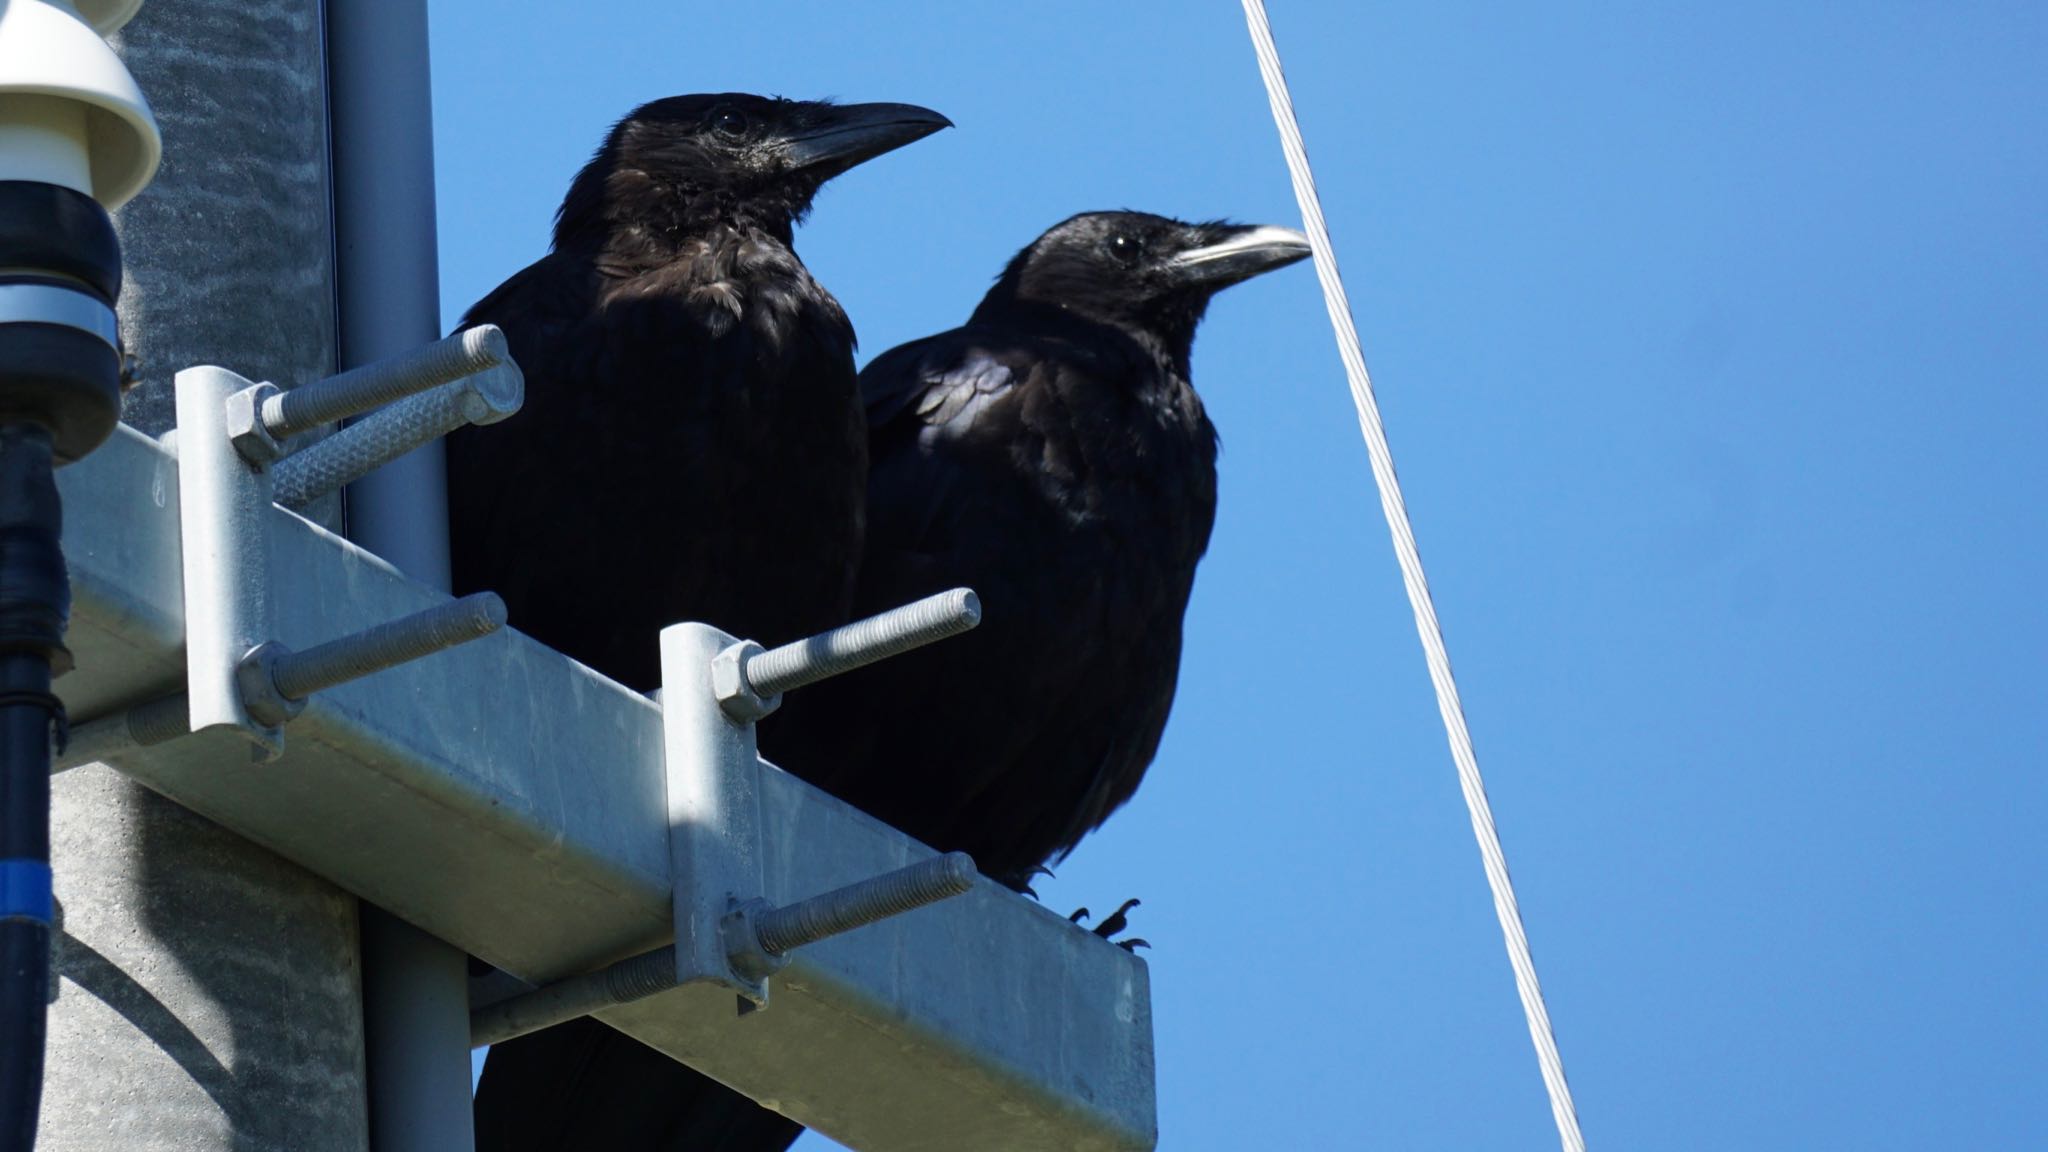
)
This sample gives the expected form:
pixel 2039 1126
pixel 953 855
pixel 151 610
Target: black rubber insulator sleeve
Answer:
pixel 50 228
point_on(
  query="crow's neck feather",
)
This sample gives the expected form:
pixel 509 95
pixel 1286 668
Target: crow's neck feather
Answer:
pixel 610 203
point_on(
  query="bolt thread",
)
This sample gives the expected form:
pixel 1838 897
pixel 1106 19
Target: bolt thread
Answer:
pixel 878 637
pixel 373 385
pixel 300 674
pixel 633 978
pixel 638 977
pixel 160 720
pixel 358 450
pixel 844 909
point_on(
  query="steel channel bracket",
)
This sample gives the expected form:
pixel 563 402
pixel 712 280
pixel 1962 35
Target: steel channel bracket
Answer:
pixel 230 433
pixel 518 805
pixel 224 507
pixel 714 689
pixel 712 770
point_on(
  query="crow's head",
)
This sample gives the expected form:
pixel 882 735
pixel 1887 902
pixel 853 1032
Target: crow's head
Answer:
pixel 1134 269
pixel 693 161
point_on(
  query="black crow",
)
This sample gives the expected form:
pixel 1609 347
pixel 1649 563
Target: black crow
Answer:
pixel 692 445
pixel 1053 455
pixel 692 448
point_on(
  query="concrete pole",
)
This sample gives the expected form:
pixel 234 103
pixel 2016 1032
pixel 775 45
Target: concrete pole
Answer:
pixel 210 997
pixel 416 988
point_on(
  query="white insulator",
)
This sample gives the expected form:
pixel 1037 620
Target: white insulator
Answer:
pixel 107 16
pixel 44 138
pixel 105 144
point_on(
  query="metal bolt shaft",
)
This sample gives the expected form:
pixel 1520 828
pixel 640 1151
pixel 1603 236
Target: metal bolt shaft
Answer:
pixel 844 909
pixel 634 978
pixel 776 930
pixel 360 389
pixel 638 977
pixel 160 720
pixel 154 722
pixel 296 675
pixel 300 674
pixel 914 625
pixel 364 447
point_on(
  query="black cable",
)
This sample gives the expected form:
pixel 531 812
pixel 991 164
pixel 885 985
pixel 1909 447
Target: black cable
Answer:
pixel 49 702
pixel 34 602
pixel 25 903
pixel 60 396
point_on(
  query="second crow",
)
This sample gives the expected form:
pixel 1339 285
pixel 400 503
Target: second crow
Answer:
pixel 1052 454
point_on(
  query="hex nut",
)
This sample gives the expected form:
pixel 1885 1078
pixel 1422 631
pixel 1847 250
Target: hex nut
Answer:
pixel 730 688
pixel 256 678
pixel 245 425
pixel 746 962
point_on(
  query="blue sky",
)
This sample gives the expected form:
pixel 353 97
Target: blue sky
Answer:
pixel 1711 343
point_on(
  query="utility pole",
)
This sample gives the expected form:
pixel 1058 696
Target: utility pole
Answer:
pixel 210 995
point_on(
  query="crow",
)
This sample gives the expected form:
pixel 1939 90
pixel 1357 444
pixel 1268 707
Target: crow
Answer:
pixel 1053 455
pixel 692 448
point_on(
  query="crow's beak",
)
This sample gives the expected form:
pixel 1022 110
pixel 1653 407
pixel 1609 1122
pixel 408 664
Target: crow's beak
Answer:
pixel 850 134
pixel 1239 254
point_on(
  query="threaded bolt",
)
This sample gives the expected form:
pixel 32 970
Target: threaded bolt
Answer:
pixel 634 978
pixel 160 720
pixel 364 447
pixel 360 389
pixel 298 675
pixel 862 642
pixel 775 931
pixel 154 722
pixel 844 909
pixel 638 977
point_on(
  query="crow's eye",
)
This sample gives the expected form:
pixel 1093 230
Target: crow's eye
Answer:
pixel 1125 249
pixel 730 123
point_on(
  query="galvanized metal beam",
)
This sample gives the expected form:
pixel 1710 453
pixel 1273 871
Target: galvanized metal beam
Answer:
pixel 513 803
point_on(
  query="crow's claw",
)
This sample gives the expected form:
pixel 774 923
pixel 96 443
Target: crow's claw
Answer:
pixel 1131 944
pixel 1079 915
pixel 1020 881
pixel 1116 921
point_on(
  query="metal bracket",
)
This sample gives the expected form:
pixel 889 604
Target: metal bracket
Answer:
pixel 460 793
pixel 230 438
pixel 713 689
pixel 223 499
pixel 714 815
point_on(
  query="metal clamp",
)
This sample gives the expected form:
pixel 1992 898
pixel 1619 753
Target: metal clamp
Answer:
pixel 713 689
pixel 223 504
pixel 60 305
pixel 230 445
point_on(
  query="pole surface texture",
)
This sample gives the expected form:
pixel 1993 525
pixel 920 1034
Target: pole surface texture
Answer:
pixel 210 994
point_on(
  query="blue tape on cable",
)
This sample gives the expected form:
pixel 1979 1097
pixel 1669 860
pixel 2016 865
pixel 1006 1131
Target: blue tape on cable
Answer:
pixel 25 891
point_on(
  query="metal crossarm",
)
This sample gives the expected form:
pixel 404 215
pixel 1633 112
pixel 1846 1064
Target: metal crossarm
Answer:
pixel 517 805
